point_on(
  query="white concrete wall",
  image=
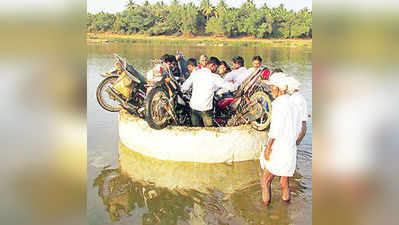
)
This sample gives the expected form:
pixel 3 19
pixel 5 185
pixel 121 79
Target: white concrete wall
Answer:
pixel 191 144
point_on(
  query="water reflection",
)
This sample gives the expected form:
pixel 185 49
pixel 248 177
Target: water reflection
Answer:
pixel 144 190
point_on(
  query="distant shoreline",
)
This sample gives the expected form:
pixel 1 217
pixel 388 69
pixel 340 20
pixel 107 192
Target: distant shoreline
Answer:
pixel 197 40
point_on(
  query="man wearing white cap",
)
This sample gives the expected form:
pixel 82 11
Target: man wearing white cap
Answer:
pixel 277 75
pixel 299 101
pixel 279 157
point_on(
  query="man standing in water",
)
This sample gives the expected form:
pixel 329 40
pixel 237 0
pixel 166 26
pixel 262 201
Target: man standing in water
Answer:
pixel 204 82
pixel 279 157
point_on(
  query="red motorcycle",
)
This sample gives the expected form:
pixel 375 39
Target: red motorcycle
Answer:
pixel 251 104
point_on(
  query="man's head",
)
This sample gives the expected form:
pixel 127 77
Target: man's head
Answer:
pixel 172 59
pixel 256 62
pixel 191 64
pixel 213 64
pixel 278 86
pixel 223 68
pixel 237 62
pixel 203 60
pixel 166 60
pixel 277 70
pixel 293 85
pixel 276 76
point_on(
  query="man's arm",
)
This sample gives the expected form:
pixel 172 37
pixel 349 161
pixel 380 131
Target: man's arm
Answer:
pixel 268 150
pixel 229 77
pixel 302 133
pixel 304 119
pixel 187 84
pixel 221 83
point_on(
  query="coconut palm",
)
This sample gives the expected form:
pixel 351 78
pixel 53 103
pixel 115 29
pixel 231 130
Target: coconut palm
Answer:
pixel 130 5
pixel 206 8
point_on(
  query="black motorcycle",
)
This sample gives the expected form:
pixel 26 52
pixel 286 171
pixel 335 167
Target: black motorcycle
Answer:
pixel 165 103
pixel 124 87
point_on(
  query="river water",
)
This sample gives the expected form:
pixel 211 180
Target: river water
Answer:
pixel 124 187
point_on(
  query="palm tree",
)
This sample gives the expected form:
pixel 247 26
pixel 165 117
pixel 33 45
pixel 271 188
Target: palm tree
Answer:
pixel 131 5
pixel 220 9
pixel 206 8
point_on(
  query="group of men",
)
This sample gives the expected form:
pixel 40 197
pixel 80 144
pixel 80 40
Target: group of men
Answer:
pixel 288 117
pixel 206 78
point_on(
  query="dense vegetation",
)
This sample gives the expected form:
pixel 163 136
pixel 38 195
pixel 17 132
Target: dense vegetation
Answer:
pixel 205 19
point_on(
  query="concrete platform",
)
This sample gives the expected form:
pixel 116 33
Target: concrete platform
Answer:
pixel 191 144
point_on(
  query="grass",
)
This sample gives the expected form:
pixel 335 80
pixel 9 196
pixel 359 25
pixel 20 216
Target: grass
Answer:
pixel 198 40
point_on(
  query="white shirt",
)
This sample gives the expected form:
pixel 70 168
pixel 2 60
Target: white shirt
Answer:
pixel 204 84
pixel 237 76
pixel 282 160
pixel 251 70
pixel 301 114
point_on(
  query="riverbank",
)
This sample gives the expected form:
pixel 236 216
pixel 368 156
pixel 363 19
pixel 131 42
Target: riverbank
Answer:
pixel 197 40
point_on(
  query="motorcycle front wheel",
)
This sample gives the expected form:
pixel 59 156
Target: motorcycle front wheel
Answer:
pixel 264 99
pixel 104 99
pixel 155 112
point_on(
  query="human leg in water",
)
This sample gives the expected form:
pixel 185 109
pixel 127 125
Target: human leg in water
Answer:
pixel 285 189
pixel 266 183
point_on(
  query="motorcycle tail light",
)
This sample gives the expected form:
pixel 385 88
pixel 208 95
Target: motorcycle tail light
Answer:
pixel 265 74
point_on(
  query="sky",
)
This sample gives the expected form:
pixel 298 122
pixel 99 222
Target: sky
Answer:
pixel 112 6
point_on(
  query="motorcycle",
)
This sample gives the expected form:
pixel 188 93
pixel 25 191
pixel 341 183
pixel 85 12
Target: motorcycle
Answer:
pixel 166 104
pixel 251 104
pixel 123 88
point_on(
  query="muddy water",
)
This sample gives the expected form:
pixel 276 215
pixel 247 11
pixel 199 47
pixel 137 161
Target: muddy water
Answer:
pixel 127 188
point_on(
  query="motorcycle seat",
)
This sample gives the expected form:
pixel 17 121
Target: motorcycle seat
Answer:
pixel 225 102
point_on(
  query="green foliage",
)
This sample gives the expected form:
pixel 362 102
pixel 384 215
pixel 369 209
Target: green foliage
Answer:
pixel 133 20
pixel 177 18
pixel 101 22
pixel 190 19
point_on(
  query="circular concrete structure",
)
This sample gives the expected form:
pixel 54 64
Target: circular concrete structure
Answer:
pixel 191 144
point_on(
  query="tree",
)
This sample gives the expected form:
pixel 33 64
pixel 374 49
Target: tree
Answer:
pixel 130 5
pixel 206 8
pixel 174 18
pixel 221 9
pixel 102 22
pixel 214 26
pixel 224 22
pixel 177 18
pixel 190 20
